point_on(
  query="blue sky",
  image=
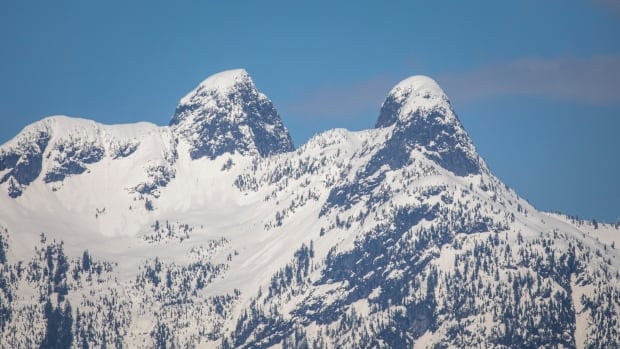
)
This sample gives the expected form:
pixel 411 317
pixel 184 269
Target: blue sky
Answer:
pixel 535 83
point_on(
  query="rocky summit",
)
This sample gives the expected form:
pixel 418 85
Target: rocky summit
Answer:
pixel 226 114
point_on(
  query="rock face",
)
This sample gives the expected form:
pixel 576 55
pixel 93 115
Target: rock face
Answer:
pixel 212 232
pixel 21 163
pixel 227 114
pixel 423 118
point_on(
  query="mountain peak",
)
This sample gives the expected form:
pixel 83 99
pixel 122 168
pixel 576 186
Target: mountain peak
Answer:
pixel 424 120
pixel 227 114
pixel 216 86
pixel 422 85
pixel 222 82
pixel 416 93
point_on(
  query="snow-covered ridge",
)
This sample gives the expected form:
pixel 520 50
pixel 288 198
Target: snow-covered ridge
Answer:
pixel 57 147
pixel 225 114
pixel 209 234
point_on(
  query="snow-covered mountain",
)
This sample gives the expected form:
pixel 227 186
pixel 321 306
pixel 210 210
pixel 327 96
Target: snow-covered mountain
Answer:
pixel 215 232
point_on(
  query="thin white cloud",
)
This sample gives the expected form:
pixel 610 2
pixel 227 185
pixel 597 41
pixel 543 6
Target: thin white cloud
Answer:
pixel 591 81
pixel 343 101
pixel 609 5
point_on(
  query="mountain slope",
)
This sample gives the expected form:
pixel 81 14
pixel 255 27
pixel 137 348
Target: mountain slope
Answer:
pixel 214 232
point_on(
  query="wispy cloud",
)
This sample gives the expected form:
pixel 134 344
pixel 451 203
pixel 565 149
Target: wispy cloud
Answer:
pixel 591 81
pixel 340 101
pixel 609 5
